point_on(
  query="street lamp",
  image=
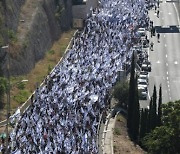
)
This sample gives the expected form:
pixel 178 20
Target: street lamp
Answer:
pixel 8 94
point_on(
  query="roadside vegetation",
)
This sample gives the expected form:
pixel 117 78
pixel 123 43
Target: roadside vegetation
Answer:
pixel 21 92
pixel 164 139
pixel 156 129
pixel 121 93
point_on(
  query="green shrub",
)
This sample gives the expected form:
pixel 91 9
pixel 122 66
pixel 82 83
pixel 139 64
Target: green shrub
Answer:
pixel 12 36
pixel 22 96
pixel 3 89
pixel 121 93
pixel 21 85
pixel 117 131
pixel 51 52
pixel 119 118
pixel 115 148
pixel 49 68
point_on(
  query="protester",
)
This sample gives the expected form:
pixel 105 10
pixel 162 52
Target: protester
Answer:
pixel 65 112
pixel 158 37
pixel 158 13
pixel 151 46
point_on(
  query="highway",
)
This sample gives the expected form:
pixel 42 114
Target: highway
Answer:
pixel 165 57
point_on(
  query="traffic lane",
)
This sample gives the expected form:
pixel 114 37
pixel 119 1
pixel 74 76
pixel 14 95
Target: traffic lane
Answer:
pixel 171 34
pixel 158 76
pixel 170 15
pixel 161 75
pixel 173 61
pixel 174 81
pixel 174 90
pixel 144 103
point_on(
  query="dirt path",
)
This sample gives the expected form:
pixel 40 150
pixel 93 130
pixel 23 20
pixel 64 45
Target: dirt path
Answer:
pixel 122 143
pixel 27 13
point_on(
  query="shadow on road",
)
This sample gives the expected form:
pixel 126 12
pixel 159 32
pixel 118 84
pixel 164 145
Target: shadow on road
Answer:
pixel 167 29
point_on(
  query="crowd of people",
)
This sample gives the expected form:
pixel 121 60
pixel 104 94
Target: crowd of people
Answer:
pixel 65 113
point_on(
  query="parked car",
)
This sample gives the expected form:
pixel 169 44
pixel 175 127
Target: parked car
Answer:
pixel 146 66
pixel 144 73
pixel 142 93
pixel 143 83
pixel 143 77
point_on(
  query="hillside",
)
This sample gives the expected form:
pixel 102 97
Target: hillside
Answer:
pixel 31 26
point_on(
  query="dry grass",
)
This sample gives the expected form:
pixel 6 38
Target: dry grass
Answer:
pixel 122 143
pixel 40 71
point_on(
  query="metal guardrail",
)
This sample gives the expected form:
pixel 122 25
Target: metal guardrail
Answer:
pixel 98 132
pixel 26 105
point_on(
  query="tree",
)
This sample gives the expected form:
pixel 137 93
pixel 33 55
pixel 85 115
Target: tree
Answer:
pixel 121 93
pixel 149 123
pixel 131 95
pixel 159 107
pixel 135 115
pixel 142 124
pixel 165 139
pixel 154 109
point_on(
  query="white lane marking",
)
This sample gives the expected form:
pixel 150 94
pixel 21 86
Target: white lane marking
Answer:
pixel 167 78
pixel 168 86
pixel 166 64
pixel 166 55
pixel 165 45
pixel 170 98
pixel 169 13
pixel 158 62
pixel 167 73
pixel 164 36
pixel 168 81
pixel 177 13
pixel 175 62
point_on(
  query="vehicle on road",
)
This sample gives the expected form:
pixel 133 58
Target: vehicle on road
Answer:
pixel 143 83
pixel 146 66
pixel 143 93
pixel 144 73
pixel 143 77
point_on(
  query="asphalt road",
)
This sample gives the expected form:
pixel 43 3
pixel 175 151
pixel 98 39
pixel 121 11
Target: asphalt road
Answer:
pixel 165 57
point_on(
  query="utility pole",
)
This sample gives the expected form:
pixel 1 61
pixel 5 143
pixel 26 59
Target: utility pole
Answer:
pixel 8 96
pixel 8 92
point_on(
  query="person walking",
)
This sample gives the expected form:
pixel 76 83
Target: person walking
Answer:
pixel 151 46
pixel 158 13
pixel 158 37
pixel 155 8
pixel 158 3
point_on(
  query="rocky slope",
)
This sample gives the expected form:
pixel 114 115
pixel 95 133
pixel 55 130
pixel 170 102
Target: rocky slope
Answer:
pixel 33 26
